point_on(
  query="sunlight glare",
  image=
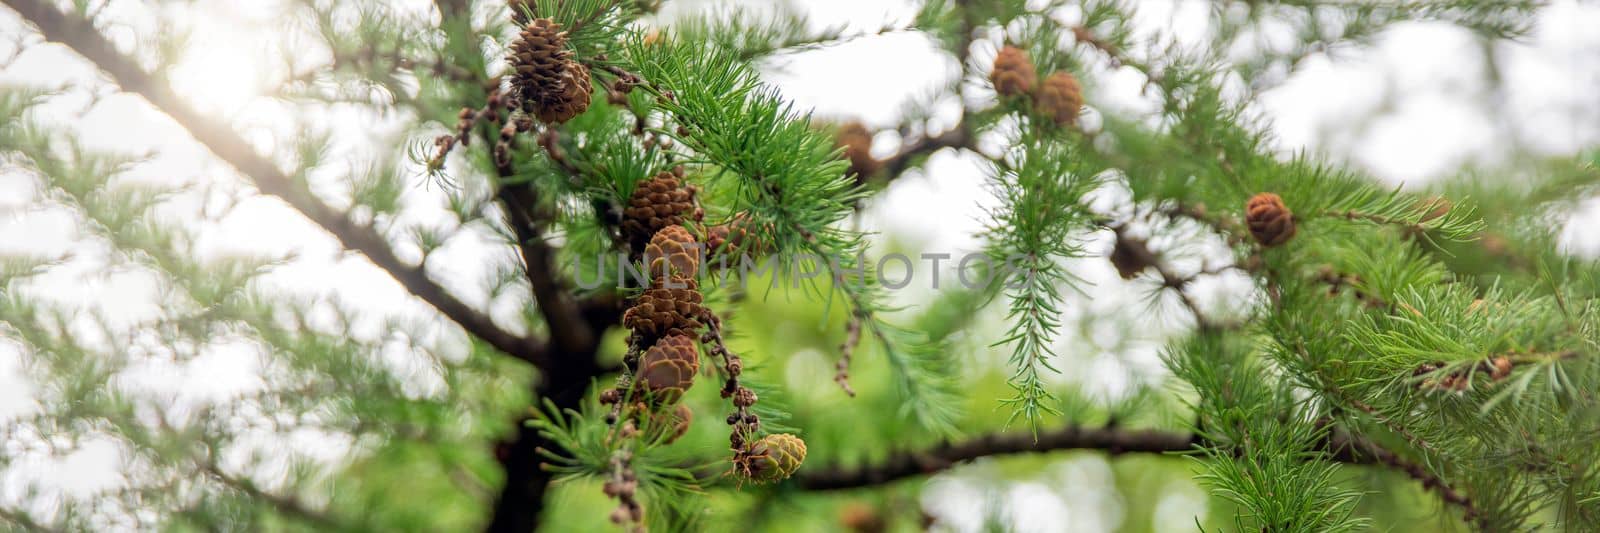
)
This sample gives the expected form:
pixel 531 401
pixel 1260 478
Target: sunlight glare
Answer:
pixel 219 74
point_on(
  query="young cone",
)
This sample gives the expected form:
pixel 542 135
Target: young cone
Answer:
pixel 731 240
pixel 1013 73
pixel 667 426
pixel 1060 98
pixel 1131 255
pixel 863 518
pixel 1433 207
pixel 773 458
pixel 1270 221
pixel 856 140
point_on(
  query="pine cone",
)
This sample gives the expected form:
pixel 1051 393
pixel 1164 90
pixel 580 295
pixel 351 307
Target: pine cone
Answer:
pixel 857 143
pixel 571 101
pixel 655 204
pixel 1500 368
pixel 1270 221
pixel 731 240
pixel 667 369
pixel 1013 73
pixel 1131 256
pixel 1059 98
pixel 673 251
pixel 1494 244
pixel 773 458
pixel 744 397
pixel 662 311
pixel 539 56
pixel 1433 207
pixel 545 79
pixel 862 518
pixel 667 426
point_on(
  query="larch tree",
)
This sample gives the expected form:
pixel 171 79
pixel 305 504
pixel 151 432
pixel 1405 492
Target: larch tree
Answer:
pixel 685 324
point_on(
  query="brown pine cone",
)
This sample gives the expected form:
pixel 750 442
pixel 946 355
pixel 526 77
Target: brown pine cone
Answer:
pixel 667 426
pixel 1060 98
pixel 1013 73
pixel 732 240
pixel 1500 368
pixel 1270 221
pixel 862 518
pixel 539 56
pixel 667 369
pixel 1131 255
pixel 856 140
pixel 665 309
pixel 673 252
pixel 656 203
pixel 545 79
pixel 571 101
pixel 744 397
pixel 1433 207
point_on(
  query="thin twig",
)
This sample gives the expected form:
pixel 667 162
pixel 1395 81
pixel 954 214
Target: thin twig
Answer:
pixel 1339 447
pixel 897 164
pixel 288 505
pixel 561 313
pixel 1353 215
pixel 908 464
pixel 1170 279
pixel 852 338
pixel 1416 471
pixel 21 519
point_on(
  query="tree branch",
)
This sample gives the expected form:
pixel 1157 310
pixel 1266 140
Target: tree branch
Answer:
pixel 560 311
pixel 287 505
pixel 1340 446
pixel 902 465
pixel 957 137
pixel 574 330
pixel 81 36
pixel 21 519
pixel 1349 445
pixel 575 326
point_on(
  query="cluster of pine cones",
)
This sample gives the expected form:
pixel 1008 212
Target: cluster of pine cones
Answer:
pixel 1058 96
pixel 666 318
pixel 668 315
